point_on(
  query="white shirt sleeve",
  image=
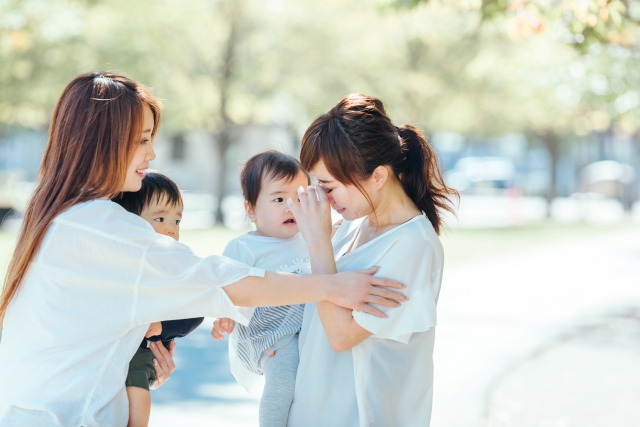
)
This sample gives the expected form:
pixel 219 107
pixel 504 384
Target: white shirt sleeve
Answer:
pixel 174 283
pixel 240 251
pixel 411 261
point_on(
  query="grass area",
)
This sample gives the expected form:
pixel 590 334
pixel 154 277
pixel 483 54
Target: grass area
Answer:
pixel 465 244
pixel 460 244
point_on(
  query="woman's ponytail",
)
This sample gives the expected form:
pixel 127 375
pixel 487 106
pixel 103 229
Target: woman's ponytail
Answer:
pixel 356 136
pixel 421 176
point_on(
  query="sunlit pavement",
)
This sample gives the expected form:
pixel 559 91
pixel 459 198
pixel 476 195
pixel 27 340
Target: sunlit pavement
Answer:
pixel 494 313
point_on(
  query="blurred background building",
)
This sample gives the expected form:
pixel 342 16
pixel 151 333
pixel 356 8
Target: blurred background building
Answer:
pixel 533 108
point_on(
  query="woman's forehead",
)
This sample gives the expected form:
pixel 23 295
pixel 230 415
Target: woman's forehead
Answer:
pixel 319 170
pixel 148 119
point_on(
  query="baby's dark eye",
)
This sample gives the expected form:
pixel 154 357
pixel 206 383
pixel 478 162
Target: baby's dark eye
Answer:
pixel 159 219
pixel 279 200
pixel 177 222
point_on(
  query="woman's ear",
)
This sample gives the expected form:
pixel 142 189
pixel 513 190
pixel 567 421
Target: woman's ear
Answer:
pixel 250 210
pixel 380 176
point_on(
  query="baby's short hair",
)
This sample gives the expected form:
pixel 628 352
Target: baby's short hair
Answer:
pixel 271 165
pixel 155 187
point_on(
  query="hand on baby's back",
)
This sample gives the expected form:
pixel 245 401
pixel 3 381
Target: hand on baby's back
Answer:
pixel 222 326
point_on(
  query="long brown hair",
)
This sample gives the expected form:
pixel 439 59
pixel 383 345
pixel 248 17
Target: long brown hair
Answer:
pixel 356 136
pixel 94 132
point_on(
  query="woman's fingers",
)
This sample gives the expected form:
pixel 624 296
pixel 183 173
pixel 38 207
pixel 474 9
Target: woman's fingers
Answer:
pixel 159 376
pixel 387 283
pixel 164 361
pixel 388 294
pixel 322 195
pixel 370 271
pixel 359 287
pixel 295 208
pixel 374 299
pixel 172 348
pixel 366 308
pixel 303 198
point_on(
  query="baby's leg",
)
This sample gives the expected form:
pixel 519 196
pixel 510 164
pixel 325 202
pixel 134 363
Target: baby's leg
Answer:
pixel 142 374
pixel 280 381
pixel 139 406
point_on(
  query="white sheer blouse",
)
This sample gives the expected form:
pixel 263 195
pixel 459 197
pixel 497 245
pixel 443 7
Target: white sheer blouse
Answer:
pixel 101 276
pixel 387 380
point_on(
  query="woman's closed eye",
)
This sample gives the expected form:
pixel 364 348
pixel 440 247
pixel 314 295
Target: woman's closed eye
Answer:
pixel 144 141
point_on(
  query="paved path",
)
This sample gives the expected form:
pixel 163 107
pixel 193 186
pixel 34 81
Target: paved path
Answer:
pixel 492 312
pixel 587 377
pixel 495 311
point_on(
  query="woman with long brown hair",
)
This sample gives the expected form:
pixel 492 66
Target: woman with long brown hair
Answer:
pixel 87 277
pixel 356 369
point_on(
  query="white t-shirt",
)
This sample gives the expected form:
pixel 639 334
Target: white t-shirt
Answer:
pixel 269 325
pixel 101 276
pixel 386 380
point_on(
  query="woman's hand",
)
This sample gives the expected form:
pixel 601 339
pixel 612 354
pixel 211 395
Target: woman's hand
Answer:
pixel 163 362
pixel 313 215
pixel 356 290
pixel 222 326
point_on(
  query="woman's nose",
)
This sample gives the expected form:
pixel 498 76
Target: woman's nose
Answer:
pixel 151 154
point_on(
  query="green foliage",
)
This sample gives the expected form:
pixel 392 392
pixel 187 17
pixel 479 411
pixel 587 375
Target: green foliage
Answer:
pixel 578 22
pixel 476 68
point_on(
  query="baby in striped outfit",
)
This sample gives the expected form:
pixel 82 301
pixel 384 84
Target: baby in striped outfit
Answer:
pixel 269 345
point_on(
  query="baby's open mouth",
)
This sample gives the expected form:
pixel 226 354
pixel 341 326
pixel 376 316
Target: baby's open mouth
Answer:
pixel 290 221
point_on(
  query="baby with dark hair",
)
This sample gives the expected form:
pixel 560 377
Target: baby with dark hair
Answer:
pixel 269 344
pixel 158 202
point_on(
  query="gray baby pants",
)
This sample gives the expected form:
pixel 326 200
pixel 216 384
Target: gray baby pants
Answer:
pixel 279 384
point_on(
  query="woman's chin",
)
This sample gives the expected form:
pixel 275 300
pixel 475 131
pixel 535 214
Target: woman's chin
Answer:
pixel 132 187
pixel 348 216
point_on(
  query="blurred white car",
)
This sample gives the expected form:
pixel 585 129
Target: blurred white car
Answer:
pixel 482 175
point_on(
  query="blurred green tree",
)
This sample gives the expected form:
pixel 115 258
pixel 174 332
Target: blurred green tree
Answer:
pixel 579 22
pixel 222 64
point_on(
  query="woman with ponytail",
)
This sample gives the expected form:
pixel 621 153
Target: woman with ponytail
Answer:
pixel 87 277
pixel 356 369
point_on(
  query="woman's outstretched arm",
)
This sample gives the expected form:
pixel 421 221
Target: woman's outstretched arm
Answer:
pixel 352 290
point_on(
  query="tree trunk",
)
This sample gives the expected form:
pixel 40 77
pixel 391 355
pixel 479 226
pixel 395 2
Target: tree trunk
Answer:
pixel 224 137
pixel 223 142
pixel 552 144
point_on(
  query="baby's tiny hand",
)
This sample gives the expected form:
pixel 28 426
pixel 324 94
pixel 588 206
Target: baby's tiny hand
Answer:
pixel 222 326
pixel 154 329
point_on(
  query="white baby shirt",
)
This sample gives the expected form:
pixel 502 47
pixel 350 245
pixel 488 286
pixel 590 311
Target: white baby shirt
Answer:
pixel 268 325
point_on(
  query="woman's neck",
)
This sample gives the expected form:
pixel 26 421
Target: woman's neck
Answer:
pixel 393 206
